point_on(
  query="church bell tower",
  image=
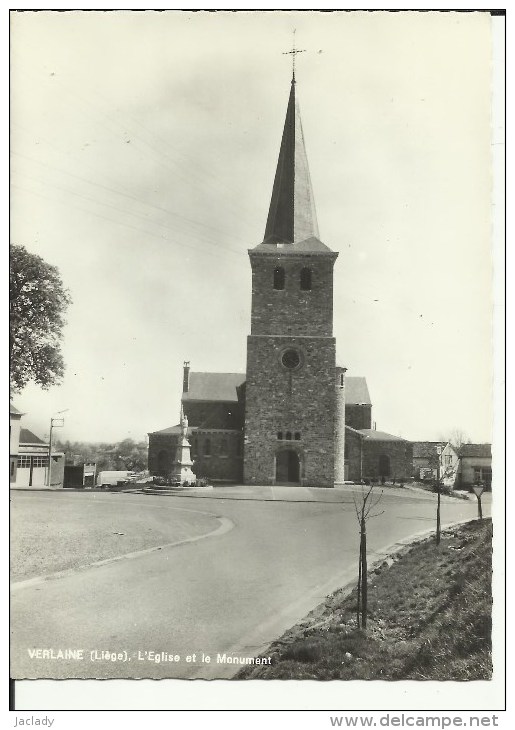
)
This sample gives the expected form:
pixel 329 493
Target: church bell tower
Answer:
pixel 290 391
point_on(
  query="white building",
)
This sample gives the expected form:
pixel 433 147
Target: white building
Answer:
pixel 28 455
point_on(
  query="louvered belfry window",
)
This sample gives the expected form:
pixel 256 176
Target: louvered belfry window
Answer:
pixel 279 278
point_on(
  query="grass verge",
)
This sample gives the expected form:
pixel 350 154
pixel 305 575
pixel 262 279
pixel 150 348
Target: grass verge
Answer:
pixel 429 617
pixel 429 486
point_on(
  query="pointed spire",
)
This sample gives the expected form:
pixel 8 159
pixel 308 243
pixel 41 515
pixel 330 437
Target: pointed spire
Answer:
pixel 292 216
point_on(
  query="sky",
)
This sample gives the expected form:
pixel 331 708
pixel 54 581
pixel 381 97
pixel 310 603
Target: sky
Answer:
pixel 144 147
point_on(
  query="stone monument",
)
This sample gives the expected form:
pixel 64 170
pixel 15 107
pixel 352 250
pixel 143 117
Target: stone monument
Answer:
pixel 181 467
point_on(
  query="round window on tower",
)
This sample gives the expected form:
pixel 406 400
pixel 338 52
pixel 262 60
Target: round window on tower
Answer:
pixel 291 359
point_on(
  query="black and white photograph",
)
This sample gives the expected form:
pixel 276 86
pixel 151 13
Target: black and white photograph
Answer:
pixel 254 425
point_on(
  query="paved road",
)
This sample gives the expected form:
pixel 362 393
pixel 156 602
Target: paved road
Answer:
pixel 232 592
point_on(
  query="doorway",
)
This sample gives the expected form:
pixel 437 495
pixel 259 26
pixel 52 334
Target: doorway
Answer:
pixel 287 467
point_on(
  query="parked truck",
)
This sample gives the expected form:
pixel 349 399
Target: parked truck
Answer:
pixel 108 479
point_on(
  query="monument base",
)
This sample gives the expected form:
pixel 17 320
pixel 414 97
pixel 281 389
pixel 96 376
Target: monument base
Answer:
pixel 183 474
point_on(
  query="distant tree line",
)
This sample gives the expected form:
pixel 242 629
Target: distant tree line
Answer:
pixel 126 455
pixel 456 438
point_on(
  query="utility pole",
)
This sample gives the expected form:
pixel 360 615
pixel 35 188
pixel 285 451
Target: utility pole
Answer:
pixel 49 473
pixel 54 423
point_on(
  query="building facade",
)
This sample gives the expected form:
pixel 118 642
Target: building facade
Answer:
pixel 435 458
pixel 286 420
pixel 475 465
pixel 29 457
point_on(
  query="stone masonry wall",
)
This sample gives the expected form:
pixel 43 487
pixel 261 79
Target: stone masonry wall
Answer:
pixel 399 452
pixel 224 462
pixel 357 416
pixel 291 311
pixel 158 443
pixel 302 400
pixel 208 414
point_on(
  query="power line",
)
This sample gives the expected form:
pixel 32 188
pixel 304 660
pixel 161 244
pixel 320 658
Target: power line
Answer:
pixel 127 195
pixel 121 223
pixel 160 154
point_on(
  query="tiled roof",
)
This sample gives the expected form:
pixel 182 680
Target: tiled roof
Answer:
pixel 14 410
pixel 426 449
pixel 481 450
pixel 27 437
pixel 223 387
pixel 370 433
pixel 356 391
pixel 172 430
pixel 214 387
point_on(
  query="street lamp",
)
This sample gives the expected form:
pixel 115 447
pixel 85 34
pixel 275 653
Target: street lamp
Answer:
pixel 479 488
pixel 54 423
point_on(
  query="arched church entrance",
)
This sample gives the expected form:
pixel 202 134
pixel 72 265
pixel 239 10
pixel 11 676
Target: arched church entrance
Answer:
pixel 287 467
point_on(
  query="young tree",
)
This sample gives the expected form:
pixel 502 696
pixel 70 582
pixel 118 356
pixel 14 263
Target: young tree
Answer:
pixel 436 461
pixel 38 301
pixel 363 513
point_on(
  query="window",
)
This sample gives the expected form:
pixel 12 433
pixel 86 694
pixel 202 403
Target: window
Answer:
pixel 39 461
pixel 297 436
pixel 342 380
pixel 305 279
pixel 207 447
pixel 279 278
pixel 23 462
pixel 223 447
pixel 12 468
pixel 279 435
pixel 288 436
pixel 291 359
pixel 483 474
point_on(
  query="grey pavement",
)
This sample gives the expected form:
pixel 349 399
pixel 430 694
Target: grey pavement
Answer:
pixel 231 593
pixel 341 493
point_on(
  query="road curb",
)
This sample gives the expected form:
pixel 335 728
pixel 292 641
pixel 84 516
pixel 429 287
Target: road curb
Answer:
pixel 447 500
pixel 225 525
pixel 246 645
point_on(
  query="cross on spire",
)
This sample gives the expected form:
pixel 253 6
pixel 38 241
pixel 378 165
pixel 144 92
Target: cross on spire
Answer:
pixel 293 53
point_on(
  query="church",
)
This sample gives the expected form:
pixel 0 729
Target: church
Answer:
pixel 294 417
